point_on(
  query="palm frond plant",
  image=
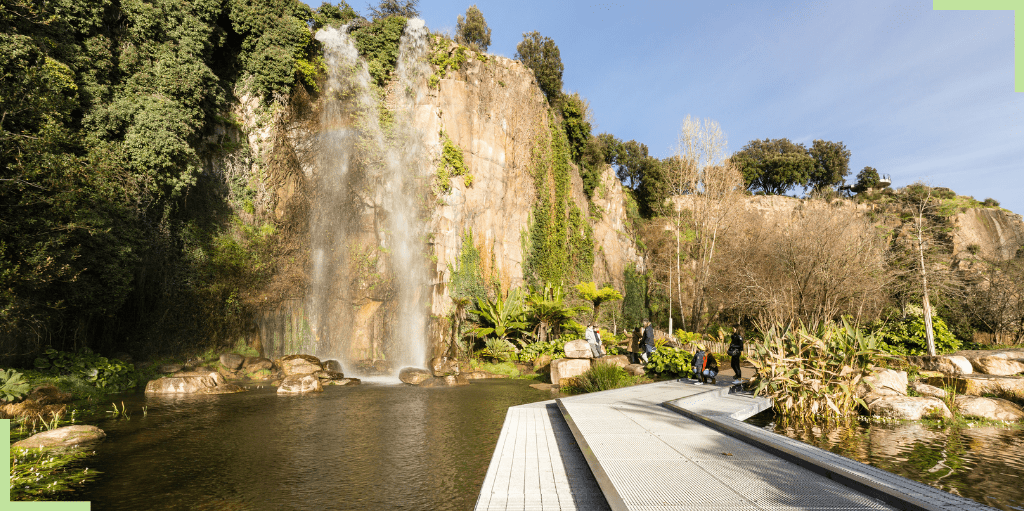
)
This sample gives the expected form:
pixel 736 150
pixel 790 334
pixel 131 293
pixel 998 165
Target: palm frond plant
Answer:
pixel 547 312
pixel 501 317
pixel 814 372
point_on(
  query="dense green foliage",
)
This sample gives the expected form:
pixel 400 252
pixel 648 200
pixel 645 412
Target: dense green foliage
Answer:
pixel 555 348
pixel 634 308
pixel 451 165
pixel 540 54
pixel 446 58
pixel 378 44
pixel 394 8
pixel 559 248
pixel 866 178
pixel 43 474
pixel 589 292
pixel 774 166
pixel 467 281
pixel 599 151
pixel 831 165
pixel 472 30
pixel 669 361
pixel 13 385
pixel 111 375
pixel 547 312
pixel 599 377
pixel 907 336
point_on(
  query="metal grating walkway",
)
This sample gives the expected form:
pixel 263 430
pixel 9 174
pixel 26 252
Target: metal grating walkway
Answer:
pixel 677 446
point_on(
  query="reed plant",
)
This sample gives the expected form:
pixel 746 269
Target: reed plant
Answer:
pixel 814 372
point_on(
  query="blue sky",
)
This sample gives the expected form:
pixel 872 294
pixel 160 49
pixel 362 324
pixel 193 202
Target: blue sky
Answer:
pixel 919 94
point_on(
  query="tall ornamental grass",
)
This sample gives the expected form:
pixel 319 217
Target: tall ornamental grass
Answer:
pixel 814 372
pixel 600 377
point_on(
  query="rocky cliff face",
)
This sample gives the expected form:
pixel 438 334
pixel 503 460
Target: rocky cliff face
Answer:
pixel 987 233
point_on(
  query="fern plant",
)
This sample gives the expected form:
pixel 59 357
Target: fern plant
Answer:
pixel 12 385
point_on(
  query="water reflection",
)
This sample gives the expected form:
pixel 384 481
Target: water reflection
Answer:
pixel 985 464
pixel 366 447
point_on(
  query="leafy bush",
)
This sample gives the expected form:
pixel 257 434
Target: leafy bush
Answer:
pixel 378 43
pixel 599 377
pixel 814 372
pixel 530 352
pixel 473 30
pixel 498 349
pixel 541 55
pixel 907 337
pixel 109 374
pixel 12 386
pixel 668 361
pixel 687 337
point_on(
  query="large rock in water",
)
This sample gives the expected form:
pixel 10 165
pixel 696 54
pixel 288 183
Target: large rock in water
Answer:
pixel 414 375
pixel 445 381
pixel 979 384
pixel 332 365
pixel 952 365
pixel 293 365
pixel 68 436
pixel 542 364
pixel 989 408
pixel 181 384
pixel 232 361
pixel 568 368
pixel 253 364
pixel 908 408
pixel 443 366
pixel 300 384
pixel 578 349
pixel 998 366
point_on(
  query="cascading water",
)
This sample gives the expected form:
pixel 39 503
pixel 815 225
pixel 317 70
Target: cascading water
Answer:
pixel 366 299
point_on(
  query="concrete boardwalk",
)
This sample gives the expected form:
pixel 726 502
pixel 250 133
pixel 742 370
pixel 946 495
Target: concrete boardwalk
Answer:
pixel 674 446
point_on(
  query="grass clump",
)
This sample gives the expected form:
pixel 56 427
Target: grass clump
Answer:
pixel 600 377
pixel 41 474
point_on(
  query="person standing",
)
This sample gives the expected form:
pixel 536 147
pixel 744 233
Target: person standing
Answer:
pixel 595 348
pixel 648 339
pixel 735 350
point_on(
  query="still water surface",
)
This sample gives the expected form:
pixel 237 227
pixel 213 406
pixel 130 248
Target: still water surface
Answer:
pixel 368 447
pixel 985 464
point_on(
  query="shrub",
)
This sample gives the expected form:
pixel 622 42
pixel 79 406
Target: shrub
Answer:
pixel 109 374
pixel 530 352
pixel 540 54
pixel 907 337
pixel 600 377
pixel 990 203
pixel 669 361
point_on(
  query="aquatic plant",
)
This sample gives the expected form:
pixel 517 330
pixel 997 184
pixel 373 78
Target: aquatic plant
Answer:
pixel 814 372
pixel 42 473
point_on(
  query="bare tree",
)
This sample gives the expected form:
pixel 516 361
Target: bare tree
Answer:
pixel 704 181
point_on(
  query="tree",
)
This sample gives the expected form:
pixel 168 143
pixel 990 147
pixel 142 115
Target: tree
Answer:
pixel 831 165
pixel 589 292
pixel 774 166
pixel 328 15
pixel 388 8
pixel 473 30
pixel 866 178
pixel 633 163
pixel 540 54
pixel 634 304
pixel 711 183
pixel 547 311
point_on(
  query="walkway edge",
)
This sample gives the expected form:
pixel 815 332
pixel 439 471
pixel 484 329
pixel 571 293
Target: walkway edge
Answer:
pixel 615 501
pixel 857 477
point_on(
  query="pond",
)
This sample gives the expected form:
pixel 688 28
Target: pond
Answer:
pixel 985 464
pixel 371 446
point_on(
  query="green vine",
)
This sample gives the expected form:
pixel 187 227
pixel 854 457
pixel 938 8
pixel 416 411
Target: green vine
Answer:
pixel 445 60
pixel 451 165
pixel 560 242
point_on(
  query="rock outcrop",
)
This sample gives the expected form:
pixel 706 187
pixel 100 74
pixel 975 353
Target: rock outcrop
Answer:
pixel 300 384
pixel 949 364
pixel 908 408
pixel 568 368
pixel 293 365
pixel 414 375
pixel 979 384
pixel 192 383
pixel 989 408
pixel 578 349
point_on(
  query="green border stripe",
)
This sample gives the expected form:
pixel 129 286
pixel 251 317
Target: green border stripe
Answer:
pixel 1017 6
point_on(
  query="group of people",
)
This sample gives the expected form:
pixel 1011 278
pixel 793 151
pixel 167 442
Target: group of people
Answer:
pixel 704 367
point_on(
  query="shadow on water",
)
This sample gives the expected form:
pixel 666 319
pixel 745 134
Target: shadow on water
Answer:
pixel 985 464
pixel 365 447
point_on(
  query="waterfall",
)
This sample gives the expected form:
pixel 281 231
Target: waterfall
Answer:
pixel 368 289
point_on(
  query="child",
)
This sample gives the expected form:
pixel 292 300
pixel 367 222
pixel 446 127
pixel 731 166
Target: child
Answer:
pixel 704 366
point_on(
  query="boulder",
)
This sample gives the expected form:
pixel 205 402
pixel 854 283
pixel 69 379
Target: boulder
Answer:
pixel 998 365
pixel 180 384
pixel 542 364
pixel 578 349
pixel 979 384
pixel 884 382
pixel 169 368
pixel 613 360
pixel 635 369
pixel 953 365
pixel 68 436
pixel 445 381
pixel 908 408
pixel 226 388
pixel 294 365
pixel 568 368
pixel 414 375
pixel 300 384
pixel 232 361
pixel 343 382
pixel 253 364
pixel 332 365
pixel 989 408
pixel 329 375
pixel 479 375
pixel 443 366
pixel 928 390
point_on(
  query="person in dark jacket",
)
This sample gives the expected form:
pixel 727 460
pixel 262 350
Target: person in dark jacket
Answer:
pixel 648 338
pixel 735 350
pixel 704 366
